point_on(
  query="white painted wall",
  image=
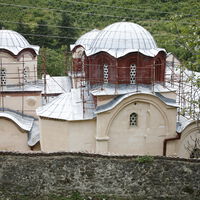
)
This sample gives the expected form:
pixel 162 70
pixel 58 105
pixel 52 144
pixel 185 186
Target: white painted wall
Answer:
pixel 14 67
pixel 12 137
pixel 111 131
pixel 60 135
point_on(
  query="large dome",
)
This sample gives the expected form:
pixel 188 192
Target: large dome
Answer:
pixel 14 42
pixel 121 38
pixel 124 35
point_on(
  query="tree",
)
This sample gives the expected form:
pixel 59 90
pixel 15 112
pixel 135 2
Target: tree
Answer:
pixel 67 31
pixel 189 40
pixel 1 25
pixel 54 62
pixel 24 29
pixel 193 147
pixel 42 32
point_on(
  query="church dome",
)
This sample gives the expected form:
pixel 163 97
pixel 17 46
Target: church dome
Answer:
pixel 14 42
pixel 87 39
pixel 121 38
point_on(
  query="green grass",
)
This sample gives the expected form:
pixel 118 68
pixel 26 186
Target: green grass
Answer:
pixel 144 159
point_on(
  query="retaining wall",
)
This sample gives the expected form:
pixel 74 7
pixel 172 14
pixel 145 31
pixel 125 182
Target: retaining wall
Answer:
pixel 38 175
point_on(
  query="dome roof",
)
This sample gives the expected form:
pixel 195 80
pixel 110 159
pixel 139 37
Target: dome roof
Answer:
pixel 86 39
pixel 14 42
pixel 121 38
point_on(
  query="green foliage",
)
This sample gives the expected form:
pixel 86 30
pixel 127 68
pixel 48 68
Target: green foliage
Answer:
pixel 55 61
pixel 144 159
pixel 173 23
pixel 43 31
pixel 66 32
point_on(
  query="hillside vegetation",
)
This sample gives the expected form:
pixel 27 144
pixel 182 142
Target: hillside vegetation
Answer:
pixel 55 24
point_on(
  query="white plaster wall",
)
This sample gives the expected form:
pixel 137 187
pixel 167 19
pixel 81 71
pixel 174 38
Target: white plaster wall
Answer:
pixel 156 121
pixel 18 102
pixel 31 63
pixel 12 137
pixel 82 135
pixel 189 134
pixel 53 135
pixel 111 131
pixel 14 67
pixel 149 132
pixel 60 135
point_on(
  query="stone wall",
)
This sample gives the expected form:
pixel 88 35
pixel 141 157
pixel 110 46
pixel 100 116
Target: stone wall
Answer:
pixel 38 175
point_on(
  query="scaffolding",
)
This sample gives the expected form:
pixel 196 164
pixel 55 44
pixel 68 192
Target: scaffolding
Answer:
pixel 176 79
pixel 187 90
pixel 17 76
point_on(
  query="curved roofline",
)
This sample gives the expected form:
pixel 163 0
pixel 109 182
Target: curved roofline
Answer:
pixel 16 121
pixel 7 50
pixel 184 124
pixel 25 122
pixel 86 39
pixel 148 53
pixel 190 123
pixel 74 47
pixel 31 50
pixel 117 100
pixel 103 40
pixel 15 42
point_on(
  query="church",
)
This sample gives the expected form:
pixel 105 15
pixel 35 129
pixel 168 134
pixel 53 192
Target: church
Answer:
pixel 19 95
pixel 119 101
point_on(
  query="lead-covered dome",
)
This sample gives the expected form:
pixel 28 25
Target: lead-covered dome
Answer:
pixel 121 38
pixel 14 42
pixel 86 39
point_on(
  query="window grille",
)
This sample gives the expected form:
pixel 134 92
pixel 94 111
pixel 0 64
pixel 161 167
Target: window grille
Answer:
pixel 105 73
pixel 133 119
pixel 132 73
pixel 3 76
pixel 26 74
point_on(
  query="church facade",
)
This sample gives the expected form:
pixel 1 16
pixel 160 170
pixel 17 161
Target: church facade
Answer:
pixel 119 102
pixel 19 96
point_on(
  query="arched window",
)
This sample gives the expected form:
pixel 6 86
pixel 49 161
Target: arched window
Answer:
pixel 133 119
pixel 3 76
pixel 132 74
pixel 105 73
pixel 158 70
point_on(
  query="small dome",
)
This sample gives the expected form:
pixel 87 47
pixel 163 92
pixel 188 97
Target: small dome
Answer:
pixel 14 42
pixel 86 39
pixel 121 38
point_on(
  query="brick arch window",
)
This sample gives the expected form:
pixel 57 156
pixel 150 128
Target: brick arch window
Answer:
pixel 133 119
pixel 3 76
pixel 158 70
pixel 132 74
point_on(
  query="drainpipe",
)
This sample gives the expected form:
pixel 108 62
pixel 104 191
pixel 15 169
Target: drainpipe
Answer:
pixel 169 139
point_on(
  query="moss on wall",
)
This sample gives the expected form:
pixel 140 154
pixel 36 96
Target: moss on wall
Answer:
pixel 86 176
